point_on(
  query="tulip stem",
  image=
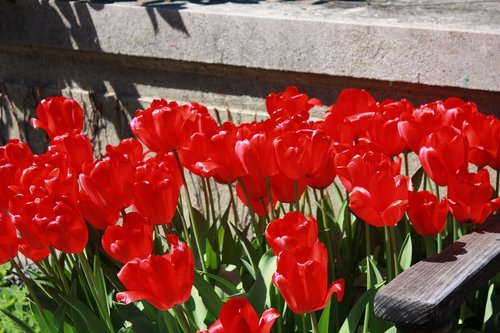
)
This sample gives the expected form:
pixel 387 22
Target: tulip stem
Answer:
pixel 60 270
pixel 368 276
pixel 270 197
pixel 253 220
pixel 191 212
pixel 314 322
pixel 303 322
pixel 394 251
pixel 330 256
pixel 439 242
pixel 182 320
pixel 308 200
pixel 99 295
pixel 498 183
pixel 233 204
pixel 296 194
pixel 205 194
pixel 388 254
pixel 211 200
pixel 32 293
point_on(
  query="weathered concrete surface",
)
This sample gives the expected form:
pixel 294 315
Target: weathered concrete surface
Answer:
pixel 438 43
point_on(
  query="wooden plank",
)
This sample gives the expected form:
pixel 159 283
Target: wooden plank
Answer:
pixel 426 295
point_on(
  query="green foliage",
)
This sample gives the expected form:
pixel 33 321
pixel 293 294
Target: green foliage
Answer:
pixel 14 304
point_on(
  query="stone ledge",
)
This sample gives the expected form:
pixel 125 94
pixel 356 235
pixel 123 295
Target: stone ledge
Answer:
pixel 422 43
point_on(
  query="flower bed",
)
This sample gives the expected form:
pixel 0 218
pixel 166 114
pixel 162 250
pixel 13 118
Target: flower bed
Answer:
pixel 117 248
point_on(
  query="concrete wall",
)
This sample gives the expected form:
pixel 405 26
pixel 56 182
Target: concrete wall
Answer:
pixel 116 58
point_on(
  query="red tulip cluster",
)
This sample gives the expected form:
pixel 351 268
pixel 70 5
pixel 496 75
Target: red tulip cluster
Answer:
pixel 46 199
pixel 302 263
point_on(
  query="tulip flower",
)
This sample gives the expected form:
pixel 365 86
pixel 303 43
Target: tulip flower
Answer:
pixel 289 103
pixel 292 231
pixel 383 201
pixel 159 126
pixel 109 182
pixel 162 280
pixel 238 315
pixel 382 131
pixel 32 253
pixel 99 217
pixel 443 153
pixel 58 116
pixel 255 150
pixel 427 214
pixel 415 126
pixel 49 221
pixel 302 153
pixel 76 147
pixel 130 148
pixel 357 107
pixel 156 188
pixel 133 239
pixel 470 197
pixel 483 135
pixel 284 188
pixel 16 153
pixel 302 278
pixel 8 239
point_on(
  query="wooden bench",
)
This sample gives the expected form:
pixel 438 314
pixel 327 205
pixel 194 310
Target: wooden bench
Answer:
pixel 425 297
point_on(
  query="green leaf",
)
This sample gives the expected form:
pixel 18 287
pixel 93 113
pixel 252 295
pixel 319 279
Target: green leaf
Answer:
pixel 377 278
pixel 93 323
pixel 18 321
pixel 167 323
pixel 249 250
pixel 491 321
pixel 259 295
pixel 231 287
pixel 353 318
pixel 210 298
pixel 417 177
pixel 197 308
pixel 324 320
pixel 405 254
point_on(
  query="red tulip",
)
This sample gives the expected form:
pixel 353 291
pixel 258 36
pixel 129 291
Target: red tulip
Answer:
pixel 443 153
pixel 383 201
pixel 165 126
pixel 356 166
pixel 284 188
pixel 238 315
pixel 455 111
pixel 32 253
pixel 415 126
pixel 255 150
pixel 133 239
pixel 426 213
pixel 289 103
pixel 259 206
pixel 16 153
pixel 8 239
pixel 130 148
pixel 483 135
pixel 162 280
pixel 382 131
pixel 302 278
pixel 357 107
pixel 292 231
pixel 156 188
pixel 109 182
pixel 76 147
pixel 302 153
pixel 159 127
pixel 97 216
pixel 469 197
pixel 58 116
pixel 214 156
pixel 49 221
pixel 7 179
pixel 339 129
